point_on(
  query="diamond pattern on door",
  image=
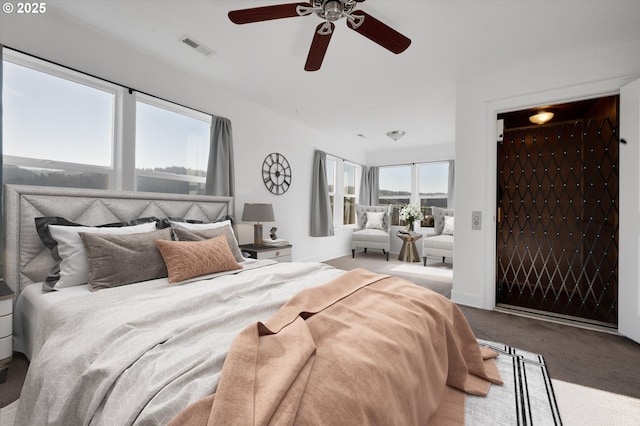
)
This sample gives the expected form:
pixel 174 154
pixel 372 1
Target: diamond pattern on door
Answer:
pixel 557 231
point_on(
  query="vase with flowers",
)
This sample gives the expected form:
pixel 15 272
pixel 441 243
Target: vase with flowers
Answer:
pixel 410 213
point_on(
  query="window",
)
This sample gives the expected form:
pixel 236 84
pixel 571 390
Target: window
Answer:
pixel 433 188
pixel 349 194
pixel 172 147
pixel 423 183
pixel 331 182
pixel 57 126
pixel 64 128
pixel 395 189
pixel 343 179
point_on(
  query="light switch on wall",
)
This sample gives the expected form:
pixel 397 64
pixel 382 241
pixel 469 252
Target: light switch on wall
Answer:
pixel 476 220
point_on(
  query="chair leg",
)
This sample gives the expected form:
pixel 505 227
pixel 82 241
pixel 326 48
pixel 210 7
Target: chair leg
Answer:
pixel 442 259
pixel 353 253
pixel 387 253
pixel 424 260
pixel 365 249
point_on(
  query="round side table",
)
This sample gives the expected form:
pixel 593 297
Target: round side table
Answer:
pixel 409 252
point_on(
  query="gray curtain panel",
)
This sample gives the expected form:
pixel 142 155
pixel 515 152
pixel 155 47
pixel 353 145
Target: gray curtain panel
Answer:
pixel 452 175
pixel 369 186
pixel 321 219
pixel 220 180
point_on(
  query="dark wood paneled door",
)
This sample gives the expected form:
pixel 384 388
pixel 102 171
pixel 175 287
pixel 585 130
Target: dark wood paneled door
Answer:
pixel 557 230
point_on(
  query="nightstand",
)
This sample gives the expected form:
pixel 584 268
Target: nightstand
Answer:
pixel 280 254
pixel 6 329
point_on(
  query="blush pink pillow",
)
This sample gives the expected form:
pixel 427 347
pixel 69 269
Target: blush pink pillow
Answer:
pixel 189 259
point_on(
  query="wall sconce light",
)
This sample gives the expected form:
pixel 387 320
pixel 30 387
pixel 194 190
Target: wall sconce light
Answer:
pixel 541 117
pixel 257 213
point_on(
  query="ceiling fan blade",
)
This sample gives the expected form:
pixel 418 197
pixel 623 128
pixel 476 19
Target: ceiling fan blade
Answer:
pixel 266 13
pixel 378 32
pixel 321 39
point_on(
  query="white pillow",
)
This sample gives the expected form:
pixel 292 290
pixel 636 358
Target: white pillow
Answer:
pixel 375 220
pixel 74 266
pixel 448 225
pixel 195 226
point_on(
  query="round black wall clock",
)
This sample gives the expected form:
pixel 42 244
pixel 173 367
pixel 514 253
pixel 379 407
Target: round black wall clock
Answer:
pixel 276 173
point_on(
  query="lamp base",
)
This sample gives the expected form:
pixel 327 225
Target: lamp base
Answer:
pixel 257 234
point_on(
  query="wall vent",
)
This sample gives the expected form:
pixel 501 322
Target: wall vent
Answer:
pixel 194 44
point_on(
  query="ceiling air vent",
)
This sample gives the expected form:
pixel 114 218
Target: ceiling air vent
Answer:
pixel 194 44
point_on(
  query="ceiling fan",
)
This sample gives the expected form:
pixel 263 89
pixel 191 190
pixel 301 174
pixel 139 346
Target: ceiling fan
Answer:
pixel 330 11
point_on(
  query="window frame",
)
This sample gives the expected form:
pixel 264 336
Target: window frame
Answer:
pixel 338 193
pixel 415 188
pixel 356 169
pixel 58 71
pixel 122 173
pixel 394 207
pixel 178 109
pixel 420 197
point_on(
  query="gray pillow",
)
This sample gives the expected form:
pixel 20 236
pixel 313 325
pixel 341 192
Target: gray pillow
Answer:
pixel 207 234
pixel 68 251
pixel 116 260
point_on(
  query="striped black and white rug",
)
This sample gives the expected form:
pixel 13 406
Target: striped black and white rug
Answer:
pixel 526 398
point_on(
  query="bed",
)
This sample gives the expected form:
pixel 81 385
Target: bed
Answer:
pixel 252 342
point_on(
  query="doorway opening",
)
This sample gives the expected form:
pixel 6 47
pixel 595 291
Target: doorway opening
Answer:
pixel 557 212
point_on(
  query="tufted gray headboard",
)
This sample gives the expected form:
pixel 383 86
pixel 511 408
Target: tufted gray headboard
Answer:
pixel 27 260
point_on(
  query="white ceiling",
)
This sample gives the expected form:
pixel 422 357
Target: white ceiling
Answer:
pixel 362 88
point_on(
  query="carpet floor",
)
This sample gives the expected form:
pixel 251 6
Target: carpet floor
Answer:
pixel 436 276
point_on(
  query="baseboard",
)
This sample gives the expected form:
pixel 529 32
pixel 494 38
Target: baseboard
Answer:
pixel 556 318
pixel 467 299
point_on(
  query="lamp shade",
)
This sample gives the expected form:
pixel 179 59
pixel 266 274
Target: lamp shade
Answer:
pixel 255 212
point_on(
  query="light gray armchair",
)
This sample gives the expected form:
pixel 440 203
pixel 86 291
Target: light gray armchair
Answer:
pixel 375 233
pixel 438 244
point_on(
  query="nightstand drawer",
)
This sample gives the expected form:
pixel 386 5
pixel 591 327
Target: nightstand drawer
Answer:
pixel 6 348
pixel 279 254
pixel 6 325
pixel 6 306
pixel 276 254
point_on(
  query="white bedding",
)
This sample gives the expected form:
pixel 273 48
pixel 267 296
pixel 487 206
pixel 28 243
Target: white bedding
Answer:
pixel 33 303
pixel 139 354
pixel 30 309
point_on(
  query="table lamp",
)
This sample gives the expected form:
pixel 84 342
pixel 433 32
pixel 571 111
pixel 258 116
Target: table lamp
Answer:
pixel 255 212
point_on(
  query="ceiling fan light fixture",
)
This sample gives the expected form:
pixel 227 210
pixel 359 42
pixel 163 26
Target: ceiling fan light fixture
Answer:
pixel 541 117
pixel 396 134
pixel 332 10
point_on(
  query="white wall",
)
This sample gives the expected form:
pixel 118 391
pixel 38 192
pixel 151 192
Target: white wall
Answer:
pixel 441 152
pixel 540 81
pixel 257 131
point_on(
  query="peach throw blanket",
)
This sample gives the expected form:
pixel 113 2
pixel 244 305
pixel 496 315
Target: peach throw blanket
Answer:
pixel 362 349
